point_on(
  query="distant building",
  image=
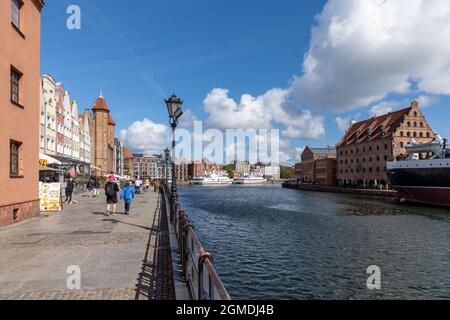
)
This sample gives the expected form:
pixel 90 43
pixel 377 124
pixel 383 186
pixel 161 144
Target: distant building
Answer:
pixel 196 169
pixel 368 145
pixel 240 168
pixel 318 165
pixel 144 167
pixel 182 171
pixel 271 171
pixel 127 163
pixel 48 122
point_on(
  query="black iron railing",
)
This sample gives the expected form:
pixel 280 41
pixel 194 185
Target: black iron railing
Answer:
pixel 197 265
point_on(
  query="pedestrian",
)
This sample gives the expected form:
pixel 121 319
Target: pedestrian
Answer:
pixel 69 191
pixel 111 189
pixel 127 194
pixel 90 187
pixel 97 188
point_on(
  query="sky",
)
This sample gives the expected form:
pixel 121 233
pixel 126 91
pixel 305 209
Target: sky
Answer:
pixel 306 68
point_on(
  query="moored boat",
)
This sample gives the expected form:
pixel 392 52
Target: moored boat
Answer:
pixel 220 178
pixel 250 179
pixel 422 180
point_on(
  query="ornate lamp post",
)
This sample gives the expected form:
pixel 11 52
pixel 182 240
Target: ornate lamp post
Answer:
pixel 174 109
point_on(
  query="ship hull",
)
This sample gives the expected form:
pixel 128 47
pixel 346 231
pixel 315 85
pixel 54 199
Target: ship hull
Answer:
pixel 426 185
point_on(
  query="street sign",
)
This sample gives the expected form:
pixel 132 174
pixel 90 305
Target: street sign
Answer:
pixel 43 163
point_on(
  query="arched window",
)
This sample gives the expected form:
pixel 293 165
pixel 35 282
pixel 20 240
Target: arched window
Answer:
pixel 428 135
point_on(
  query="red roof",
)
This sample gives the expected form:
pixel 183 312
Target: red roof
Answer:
pixel 375 128
pixel 127 153
pixel 100 105
pixel 111 121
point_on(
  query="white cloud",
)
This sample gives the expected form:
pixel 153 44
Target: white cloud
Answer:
pixel 361 51
pixel 262 112
pixel 343 123
pixel 384 107
pixel 146 136
pixel 188 119
pixel 426 101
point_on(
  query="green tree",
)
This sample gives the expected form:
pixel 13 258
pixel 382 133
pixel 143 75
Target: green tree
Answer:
pixel 287 172
pixel 229 172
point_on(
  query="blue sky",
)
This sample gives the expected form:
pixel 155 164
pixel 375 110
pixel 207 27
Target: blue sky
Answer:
pixel 139 55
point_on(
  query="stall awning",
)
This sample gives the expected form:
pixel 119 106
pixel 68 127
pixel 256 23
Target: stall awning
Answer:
pixel 47 169
pixel 49 159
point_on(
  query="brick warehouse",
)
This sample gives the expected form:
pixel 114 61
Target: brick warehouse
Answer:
pixel 368 145
pixel 318 166
pixel 20 28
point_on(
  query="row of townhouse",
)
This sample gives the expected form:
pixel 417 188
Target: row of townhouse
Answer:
pixel 64 133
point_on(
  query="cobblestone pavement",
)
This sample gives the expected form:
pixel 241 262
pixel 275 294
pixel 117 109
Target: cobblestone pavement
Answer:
pixel 120 257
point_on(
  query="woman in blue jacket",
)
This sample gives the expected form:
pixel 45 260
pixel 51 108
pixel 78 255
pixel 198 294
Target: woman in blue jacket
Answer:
pixel 127 194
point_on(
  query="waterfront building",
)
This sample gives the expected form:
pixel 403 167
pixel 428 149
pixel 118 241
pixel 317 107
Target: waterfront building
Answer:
pixel 145 166
pixel 48 122
pixel 318 165
pixel 240 168
pixel 196 168
pixel 367 146
pixel 182 171
pixel 20 27
pixel 270 171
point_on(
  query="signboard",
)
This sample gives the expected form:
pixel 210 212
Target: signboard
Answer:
pixel 43 163
pixel 50 197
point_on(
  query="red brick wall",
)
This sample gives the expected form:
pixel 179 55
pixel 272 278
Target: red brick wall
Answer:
pixel 25 211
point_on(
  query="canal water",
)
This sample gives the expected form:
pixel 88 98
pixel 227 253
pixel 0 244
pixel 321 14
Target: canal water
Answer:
pixel 274 243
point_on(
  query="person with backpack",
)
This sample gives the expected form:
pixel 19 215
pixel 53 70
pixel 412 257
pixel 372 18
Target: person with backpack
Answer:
pixel 111 189
pixel 127 194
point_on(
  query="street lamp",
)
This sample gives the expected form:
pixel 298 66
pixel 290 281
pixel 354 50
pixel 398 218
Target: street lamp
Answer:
pixel 167 157
pixel 175 112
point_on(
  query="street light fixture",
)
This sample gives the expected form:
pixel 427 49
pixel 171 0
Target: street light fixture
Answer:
pixel 175 112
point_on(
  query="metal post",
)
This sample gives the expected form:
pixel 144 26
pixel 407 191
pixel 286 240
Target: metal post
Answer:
pixel 174 177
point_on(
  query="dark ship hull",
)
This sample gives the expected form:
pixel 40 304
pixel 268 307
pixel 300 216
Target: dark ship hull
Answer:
pixel 424 181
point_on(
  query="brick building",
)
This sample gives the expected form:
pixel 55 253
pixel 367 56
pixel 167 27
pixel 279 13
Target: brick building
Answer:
pixel 20 29
pixel 196 169
pixel 368 145
pixel 102 129
pixel 318 165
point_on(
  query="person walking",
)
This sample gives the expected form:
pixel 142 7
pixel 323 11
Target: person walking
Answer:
pixel 96 187
pixel 90 187
pixel 127 194
pixel 69 191
pixel 111 189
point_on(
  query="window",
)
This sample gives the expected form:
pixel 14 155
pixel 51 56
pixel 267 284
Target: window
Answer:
pixel 14 158
pixel 15 85
pixel 15 12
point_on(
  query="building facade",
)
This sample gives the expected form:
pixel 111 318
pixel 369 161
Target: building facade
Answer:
pixel 48 121
pixel 118 154
pixel 368 145
pixel 145 167
pixel 20 27
pixel 318 165
pixel 102 129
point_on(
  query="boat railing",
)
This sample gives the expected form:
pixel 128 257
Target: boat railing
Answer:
pixel 196 263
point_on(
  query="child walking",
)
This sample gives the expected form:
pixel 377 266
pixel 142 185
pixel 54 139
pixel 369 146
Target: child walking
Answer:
pixel 127 194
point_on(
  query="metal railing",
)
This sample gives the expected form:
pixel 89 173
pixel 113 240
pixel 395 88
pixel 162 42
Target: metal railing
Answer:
pixel 197 265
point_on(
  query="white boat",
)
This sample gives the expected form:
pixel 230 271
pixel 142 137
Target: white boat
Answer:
pixel 220 178
pixel 250 179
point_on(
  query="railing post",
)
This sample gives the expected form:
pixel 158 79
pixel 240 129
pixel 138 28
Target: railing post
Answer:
pixel 201 262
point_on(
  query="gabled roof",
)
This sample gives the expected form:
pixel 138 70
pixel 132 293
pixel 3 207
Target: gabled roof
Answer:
pixel 375 128
pixel 100 104
pixel 127 153
pixel 111 121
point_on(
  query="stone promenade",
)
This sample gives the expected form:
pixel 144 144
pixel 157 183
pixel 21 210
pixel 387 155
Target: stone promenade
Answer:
pixel 120 257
